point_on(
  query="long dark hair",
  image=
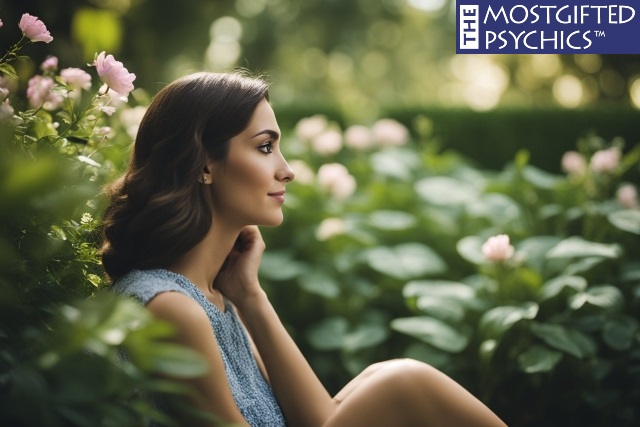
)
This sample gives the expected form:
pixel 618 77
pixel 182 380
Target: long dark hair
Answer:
pixel 157 210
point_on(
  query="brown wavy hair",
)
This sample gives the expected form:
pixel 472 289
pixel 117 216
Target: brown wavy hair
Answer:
pixel 157 209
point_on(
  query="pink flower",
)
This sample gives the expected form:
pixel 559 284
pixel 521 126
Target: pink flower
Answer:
pixel 107 109
pixel 627 196
pixel 497 248
pixel 113 74
pixel 389 132
pixel 34 29
pixel 336 179
pixel 49 64
pixel 40 93
pixel 4 93
pixel 573 163
pixel 6 110
pixel 304 174
pixel 1 24
pixel 330 227
pixel 605 160
pixel 357 137
pixel 328 142
pixel 76 78
pixel 310 127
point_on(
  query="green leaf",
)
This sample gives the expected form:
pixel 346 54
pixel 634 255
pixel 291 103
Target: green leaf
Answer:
pixel 568 340
pixel 541 179
pixel 627 220
pixel 176 361
pixel 319 283
pixel 443 190
pixel 440 288
pixel 497 208
pixel 365 336
pixel 578 247
pixel 469 248
pixel 392 220
pixel 395 163
pixel 605 297
pixel 535 248
pixel 432 331
pixel 538 358
pixel 406 261
pixel 619 333
pixel 495 322
pixel 555 286
pixel 8 70
pixel 280 266
pixel 328 334
pixel 442 308
pixel 428 354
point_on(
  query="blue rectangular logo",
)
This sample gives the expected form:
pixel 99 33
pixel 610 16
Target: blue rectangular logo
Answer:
pixel 547 26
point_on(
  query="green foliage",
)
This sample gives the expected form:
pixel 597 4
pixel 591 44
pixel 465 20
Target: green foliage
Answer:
pixel 400 263
pixel 71 352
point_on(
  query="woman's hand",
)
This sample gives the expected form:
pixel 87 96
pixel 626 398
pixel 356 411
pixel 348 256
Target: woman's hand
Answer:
pixel 238 277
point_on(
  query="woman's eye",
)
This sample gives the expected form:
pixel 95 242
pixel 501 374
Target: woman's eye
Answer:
pixel 266 148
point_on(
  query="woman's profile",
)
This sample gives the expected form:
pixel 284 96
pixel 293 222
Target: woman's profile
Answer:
pixel 181 236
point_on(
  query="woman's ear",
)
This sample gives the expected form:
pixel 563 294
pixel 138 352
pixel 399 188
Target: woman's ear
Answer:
pixel 206 177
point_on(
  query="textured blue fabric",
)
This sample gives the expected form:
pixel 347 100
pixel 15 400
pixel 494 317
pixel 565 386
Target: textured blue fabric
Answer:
pixel 251 392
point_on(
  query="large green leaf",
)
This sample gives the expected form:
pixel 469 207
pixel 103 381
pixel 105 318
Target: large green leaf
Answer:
pixel 540 178
pixel 432 331
pixel 320 283
pixel 538 358
pixel 555 286
pixel 280 266
pixel 442 308
pixel 406 261
pixel 627 220
pixel 605 297
pixel 396 163
pixel 575 247
pixel 495 322
pixel 392 220
pixel 496 207
pixel 443 190
pixel 469 248
pixel 176 361
pixel 365 335
pixel 568 340
pixel 440 288
pixel 619 333
pixel 328 334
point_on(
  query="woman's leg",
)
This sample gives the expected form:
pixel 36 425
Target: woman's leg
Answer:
pixel 407 393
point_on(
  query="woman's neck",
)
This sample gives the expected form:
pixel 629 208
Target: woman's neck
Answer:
pixel 203 262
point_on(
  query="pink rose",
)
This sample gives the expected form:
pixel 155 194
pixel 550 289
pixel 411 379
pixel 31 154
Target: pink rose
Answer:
pixel 336 179
pixel 34 29
pixel 310 127
pixel 605 160
pixel 573 163
pixel 6 110
pixel 357 137
pixel 113 74
pixel 627 196
pixel 40 93
pixel 328 142
pixel 497 248
pixel 49 64
pixel 389 132
pixel 304 174
pixel 76 78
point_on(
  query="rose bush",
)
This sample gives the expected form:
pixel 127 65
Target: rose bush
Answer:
pixel 61 338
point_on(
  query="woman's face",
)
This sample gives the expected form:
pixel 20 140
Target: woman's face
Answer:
pixel 248 186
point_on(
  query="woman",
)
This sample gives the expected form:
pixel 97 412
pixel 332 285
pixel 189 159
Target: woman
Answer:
pixel 181 237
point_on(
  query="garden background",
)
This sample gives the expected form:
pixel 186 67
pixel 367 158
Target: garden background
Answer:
pixel 408 158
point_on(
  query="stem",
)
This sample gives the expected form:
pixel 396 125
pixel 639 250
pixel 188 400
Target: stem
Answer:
pixel 11 54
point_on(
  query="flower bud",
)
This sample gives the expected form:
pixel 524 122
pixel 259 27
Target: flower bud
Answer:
pixel 497 248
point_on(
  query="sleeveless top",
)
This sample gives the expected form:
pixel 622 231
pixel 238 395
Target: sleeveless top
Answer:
pixel 251 392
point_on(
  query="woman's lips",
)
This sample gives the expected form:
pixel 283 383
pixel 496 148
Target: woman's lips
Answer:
pixel 279 196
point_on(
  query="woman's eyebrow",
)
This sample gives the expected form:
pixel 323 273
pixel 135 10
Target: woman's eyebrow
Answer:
pixel 272 133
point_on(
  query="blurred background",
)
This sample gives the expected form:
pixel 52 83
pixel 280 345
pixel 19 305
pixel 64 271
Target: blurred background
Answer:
pixel 357 60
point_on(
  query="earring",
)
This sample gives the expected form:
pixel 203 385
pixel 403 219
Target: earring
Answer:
pixel 204 178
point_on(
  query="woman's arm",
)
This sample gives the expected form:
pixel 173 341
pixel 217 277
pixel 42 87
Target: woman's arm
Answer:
pixel 194 330
pixel 301 395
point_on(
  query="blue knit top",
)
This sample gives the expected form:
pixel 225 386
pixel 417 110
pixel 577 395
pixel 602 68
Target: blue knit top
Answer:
pixel 251 392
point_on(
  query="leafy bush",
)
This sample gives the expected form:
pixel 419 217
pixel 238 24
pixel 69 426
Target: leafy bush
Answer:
pixel 548 334
pixel 61 340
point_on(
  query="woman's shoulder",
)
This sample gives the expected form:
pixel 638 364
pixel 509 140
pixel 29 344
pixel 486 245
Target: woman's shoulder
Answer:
pixel 144 285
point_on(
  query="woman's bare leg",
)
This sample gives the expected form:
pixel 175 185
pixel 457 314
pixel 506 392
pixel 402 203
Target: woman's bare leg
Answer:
pixel 407 393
